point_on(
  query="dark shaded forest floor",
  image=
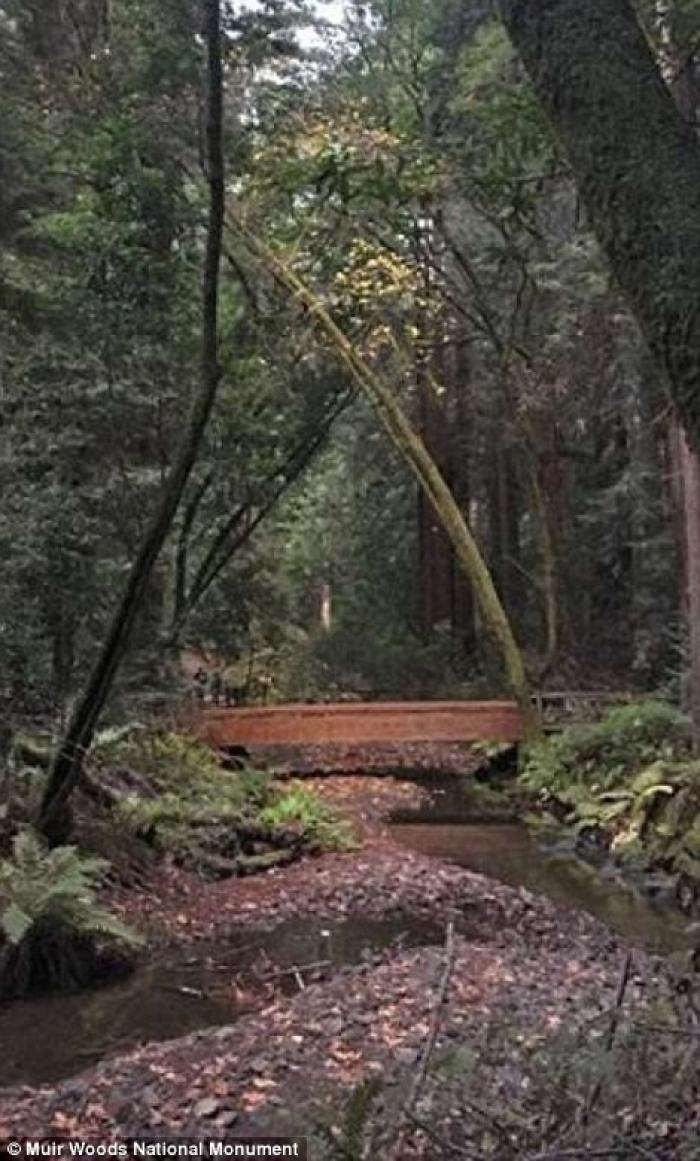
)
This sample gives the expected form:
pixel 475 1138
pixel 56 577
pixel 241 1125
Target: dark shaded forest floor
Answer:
pixel 291 1065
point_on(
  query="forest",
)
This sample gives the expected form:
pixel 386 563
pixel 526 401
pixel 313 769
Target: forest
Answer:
pixel 350 595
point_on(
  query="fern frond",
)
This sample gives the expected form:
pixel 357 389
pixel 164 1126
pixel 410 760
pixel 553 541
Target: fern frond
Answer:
pixel 39 888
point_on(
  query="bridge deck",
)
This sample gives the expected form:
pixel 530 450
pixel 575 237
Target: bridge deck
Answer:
pixel 361 723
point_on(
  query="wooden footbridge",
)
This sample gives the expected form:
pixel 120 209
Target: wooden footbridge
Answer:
pixel 365 723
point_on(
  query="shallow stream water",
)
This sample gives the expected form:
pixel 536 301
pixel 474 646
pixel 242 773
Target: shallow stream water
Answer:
pixel 50 1037
pixel 45 1039
pixel 543 862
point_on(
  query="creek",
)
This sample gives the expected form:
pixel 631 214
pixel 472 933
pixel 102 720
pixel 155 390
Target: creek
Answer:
pixel 45 1039
pixel 543 861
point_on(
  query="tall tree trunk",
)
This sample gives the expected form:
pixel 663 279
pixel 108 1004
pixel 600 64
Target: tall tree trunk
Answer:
pixel 325 612
pixel 545 490
pixel 549 578
pixel 689 466
pixel 636 162
pixel 54 815
pixel 456 373
pixel 683 459
pixel 435 551
pixel 636 159
pixel 677 460
pixel 434 548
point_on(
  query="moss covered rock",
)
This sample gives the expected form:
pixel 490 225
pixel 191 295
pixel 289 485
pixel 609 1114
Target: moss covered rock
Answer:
pixel 631 781
pixel 691 839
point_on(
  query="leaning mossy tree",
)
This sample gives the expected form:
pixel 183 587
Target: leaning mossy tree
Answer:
pixel 414 451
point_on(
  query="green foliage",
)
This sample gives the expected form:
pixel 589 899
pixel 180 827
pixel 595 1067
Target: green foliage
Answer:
pixel 393 663
pixel 353 528
pixel 190 786
pixel 54 932
pixel 300 807
pixel 99 332
pixel 359 658
pixel 608 753
pixel 170 761
pixel 107 743
pixel 629 779
pixel 484 61
pixel 423 195
pixel 509 141
pixel 196 802
pixel 57 886
pixel 228 798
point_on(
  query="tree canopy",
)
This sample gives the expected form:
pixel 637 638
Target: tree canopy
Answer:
pixel 452 218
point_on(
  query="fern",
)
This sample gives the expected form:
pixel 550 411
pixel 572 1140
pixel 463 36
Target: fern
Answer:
pixel 351 1141
pixel 52 928
pixel 318 820
pixel 610 752
pixel 108 741
pixel 357 1115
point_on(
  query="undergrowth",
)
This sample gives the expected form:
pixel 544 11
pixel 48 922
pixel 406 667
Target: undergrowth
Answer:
pixel 170 762
pixel 298 805
pixel 215 819
pixel 609 752
pixel 628 784
pixel 617 1083
pixel 53 931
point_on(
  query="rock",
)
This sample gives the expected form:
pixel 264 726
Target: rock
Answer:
pixel 686 892
pixel 660 887
pixel 226 1118
pixel 592 841
pixel 206 1107
pixel 691 840
pixel 121 1106
pixel 71 1092
pixel 222 1033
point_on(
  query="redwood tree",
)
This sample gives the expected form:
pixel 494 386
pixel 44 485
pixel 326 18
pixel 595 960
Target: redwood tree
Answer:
pixel 636 162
